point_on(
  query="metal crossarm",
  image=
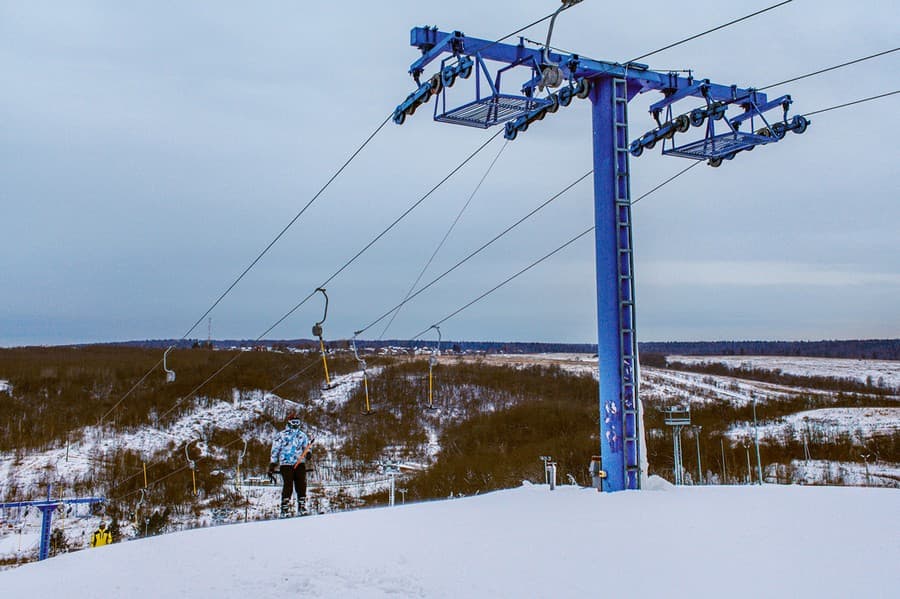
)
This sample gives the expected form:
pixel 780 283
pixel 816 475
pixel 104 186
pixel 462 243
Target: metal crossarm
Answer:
pixel 572 65
pixel 47 507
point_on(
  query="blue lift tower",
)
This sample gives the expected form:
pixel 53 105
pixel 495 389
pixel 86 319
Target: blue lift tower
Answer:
pixel 718 113
pixel 47 507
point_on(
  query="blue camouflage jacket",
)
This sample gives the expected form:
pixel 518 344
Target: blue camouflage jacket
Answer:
pixel 288 446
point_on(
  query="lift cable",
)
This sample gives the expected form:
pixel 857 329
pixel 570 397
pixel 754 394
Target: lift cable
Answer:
pixel 477 251
pixel 693 37
pixel 129 392
pixel 529 26
pixel 498 286
pixel 852 103
pixel 404 214
pixel 291 223
pixel 165 476
pixel 443 240
pixel 292 377
pixel 819 72
pixel 670 179
pixel 338 271
pixel 255 261
pixel 272 390
pixel 545 257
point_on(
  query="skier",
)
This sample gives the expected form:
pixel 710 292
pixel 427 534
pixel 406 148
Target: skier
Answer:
pixel 101 536
pixel 290 451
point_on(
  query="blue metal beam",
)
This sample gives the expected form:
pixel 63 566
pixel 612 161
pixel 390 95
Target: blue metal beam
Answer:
pixel 51 502
pixel 47 507
pixel 428 39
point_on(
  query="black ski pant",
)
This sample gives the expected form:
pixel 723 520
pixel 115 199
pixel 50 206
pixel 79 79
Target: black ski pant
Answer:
pixel 293 478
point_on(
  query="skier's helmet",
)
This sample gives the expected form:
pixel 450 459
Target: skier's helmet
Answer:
pixel 293 420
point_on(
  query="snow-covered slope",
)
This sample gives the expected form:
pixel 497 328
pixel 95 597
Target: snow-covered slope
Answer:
pixel 768 541
pixel 884 371
pixel 861 423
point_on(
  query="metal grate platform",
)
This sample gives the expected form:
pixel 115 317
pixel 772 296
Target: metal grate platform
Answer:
pixel 719 146
pixel 491 110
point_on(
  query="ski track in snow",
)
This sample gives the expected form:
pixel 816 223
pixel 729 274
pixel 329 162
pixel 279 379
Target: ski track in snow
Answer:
pixel 524 542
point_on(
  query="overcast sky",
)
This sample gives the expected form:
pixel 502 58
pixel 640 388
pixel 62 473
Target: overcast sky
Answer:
pixel 150 150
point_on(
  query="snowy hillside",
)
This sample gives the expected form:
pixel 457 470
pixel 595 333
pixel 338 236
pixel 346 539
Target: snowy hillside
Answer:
pixel 861 423
pixel 887 371
pixel 528 542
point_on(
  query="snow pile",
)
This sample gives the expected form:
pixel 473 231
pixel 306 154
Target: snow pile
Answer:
pixel 526 542
pixel 5 387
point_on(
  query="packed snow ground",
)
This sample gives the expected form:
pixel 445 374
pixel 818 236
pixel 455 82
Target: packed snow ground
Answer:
pixel 768 541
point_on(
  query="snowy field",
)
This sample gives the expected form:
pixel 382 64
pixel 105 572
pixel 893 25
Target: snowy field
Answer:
pixel 817 472
pixel 886 370
pixel 768 541
pixel 860 423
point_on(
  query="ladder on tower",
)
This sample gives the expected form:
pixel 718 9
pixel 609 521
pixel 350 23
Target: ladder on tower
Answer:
pixel 625 265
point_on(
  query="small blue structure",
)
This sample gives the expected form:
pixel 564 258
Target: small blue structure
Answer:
pixel 47 507
pixel 609 86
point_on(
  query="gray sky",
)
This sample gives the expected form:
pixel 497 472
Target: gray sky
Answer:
pixel 150 150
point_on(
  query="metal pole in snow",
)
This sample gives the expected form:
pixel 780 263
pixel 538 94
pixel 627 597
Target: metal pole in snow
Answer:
pixel 756 436
pixel 865 458
pixel 749 470
pixel 699 468
pixel 724 467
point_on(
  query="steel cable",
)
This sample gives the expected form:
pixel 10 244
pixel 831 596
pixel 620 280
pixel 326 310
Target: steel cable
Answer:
pixel 443 241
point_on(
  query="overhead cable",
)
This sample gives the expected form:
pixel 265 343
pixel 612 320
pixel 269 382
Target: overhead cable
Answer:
pixel 529 26
pixel 476 252
pixel 819 72
pixel 669 180
pixel 443 241
pixel 546 256
pixel 340 270
pixel 498 286
pixel 254 262
pixel 693 37
pixel 289 225
pixel 870 98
